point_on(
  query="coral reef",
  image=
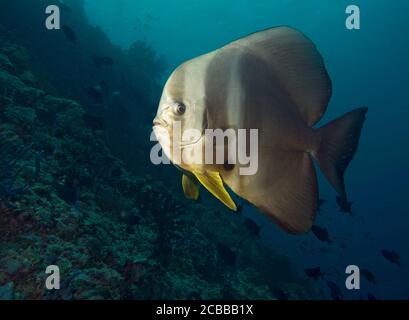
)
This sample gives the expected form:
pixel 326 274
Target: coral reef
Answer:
pixel 119 88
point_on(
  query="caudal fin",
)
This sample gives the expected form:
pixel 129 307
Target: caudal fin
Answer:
pixel 339 142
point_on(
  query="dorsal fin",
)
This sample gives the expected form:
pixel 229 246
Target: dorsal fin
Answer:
pixel 295 60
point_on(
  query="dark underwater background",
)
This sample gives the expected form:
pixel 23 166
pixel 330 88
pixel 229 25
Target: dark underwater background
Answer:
pixel 78 190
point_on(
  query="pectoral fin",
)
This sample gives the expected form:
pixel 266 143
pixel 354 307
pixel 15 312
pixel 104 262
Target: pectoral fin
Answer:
pixel 190 187
pixel 214 184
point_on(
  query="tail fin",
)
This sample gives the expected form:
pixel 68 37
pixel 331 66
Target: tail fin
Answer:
pixel 339 143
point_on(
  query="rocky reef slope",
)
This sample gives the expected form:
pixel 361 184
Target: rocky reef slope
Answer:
pixel 67 200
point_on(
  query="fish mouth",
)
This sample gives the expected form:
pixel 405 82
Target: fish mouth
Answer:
pixel 159 123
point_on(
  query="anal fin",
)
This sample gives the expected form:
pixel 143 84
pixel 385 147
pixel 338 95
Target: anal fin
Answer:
pixel 284 188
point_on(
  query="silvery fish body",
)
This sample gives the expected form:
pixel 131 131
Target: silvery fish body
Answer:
pixel 274 81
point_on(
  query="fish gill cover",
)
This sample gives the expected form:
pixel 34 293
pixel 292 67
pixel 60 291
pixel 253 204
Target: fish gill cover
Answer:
pixel 78 190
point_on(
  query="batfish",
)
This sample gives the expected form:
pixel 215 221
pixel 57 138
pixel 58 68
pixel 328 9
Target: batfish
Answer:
pixel 274 81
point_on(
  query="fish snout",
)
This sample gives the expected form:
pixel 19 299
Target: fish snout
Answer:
pixel 159 122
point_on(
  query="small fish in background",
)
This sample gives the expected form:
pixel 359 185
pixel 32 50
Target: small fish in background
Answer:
pixel 314 273
pixel 116 95
pixel 93 122
pixel 253 228
pixel 240 209
pixel 336 271
pixel 130 217
pixel 336 293
pixel 303 246
pixel 321 234
pixel 228 255
pixel 149 16
pixel 69 191
pixel 391 256
pixel 96 94
pixel 344 205
pixel 343 245
pixel 147 26
pixel 280 294
pixel 39 158
pixel 69 34
pixel 367 234
pixel 104 86
pixel 242 206
pixel 303 249
pixel 372 297
pixel 100 61
pixel 320 203
pixel 335 296
pixel 195 296
pixel 368 275
pixel 334 287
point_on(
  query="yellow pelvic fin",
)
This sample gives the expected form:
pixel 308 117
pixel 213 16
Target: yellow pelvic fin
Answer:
pixel 214 183
pixel 190 187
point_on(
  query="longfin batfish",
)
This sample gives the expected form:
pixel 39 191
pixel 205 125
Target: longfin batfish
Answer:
pixel 274 81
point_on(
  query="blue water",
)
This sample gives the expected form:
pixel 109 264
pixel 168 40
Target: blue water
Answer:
pixel 369 67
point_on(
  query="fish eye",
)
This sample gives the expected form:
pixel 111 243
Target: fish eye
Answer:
pixel 179 108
